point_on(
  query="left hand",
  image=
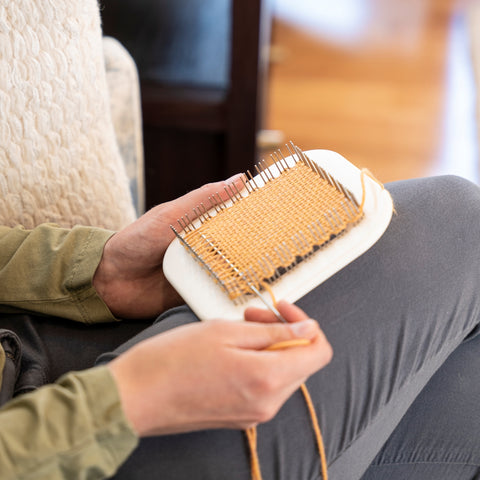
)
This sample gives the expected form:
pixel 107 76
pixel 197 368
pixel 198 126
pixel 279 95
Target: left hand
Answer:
pixel 129 277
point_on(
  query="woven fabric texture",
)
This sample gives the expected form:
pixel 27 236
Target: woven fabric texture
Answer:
pixel 270 229
pixel 59 160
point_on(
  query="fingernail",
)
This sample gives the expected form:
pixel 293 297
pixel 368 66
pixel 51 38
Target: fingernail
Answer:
pixel 305 328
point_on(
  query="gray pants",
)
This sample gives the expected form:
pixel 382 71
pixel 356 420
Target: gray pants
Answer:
pixel 400 397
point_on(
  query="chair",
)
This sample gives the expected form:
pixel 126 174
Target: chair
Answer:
pixel 202 69
pixel 60 159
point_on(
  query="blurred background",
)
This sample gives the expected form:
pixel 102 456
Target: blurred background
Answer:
pixel 389 84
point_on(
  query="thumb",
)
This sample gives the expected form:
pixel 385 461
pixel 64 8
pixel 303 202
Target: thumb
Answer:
pixel 185 204
pixel 257 336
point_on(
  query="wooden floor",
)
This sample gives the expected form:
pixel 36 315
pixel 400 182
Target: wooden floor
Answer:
pixel 387 85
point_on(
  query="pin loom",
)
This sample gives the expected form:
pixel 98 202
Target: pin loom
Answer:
pixel 284 231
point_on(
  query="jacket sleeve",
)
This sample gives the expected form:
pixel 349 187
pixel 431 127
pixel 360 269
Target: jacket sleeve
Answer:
pixel 74 429
pixel 49 271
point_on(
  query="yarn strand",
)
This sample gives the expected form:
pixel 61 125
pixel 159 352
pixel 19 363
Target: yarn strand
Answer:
pixel 251 433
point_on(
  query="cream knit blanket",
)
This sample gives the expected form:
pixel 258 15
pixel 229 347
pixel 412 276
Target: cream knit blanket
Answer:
pixel 59 161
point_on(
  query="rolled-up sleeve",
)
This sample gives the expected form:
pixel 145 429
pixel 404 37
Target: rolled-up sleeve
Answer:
pixel 74 429
pixel 49 270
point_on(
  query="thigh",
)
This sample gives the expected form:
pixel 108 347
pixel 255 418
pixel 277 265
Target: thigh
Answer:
pixel 393 317
pixel 437 437
pixel 52 346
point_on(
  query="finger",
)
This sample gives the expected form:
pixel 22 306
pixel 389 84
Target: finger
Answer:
pixel 258 336
pixel 190 200
pixel 260 315
pixel 289 311
pixel 307 359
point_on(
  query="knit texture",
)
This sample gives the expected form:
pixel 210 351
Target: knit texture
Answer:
pixel 59 160
pixel 124 89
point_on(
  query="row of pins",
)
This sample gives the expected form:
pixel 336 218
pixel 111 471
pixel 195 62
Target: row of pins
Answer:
pixel 264 170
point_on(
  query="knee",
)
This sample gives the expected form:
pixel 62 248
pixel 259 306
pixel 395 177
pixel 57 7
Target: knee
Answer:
pixel 454 187
pixel 448 197
pixel 460 198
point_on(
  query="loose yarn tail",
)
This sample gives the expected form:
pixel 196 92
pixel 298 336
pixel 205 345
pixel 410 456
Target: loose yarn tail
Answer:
pixel 252 437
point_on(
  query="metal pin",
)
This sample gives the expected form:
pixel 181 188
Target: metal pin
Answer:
pixel 329 178
pixel 276 275
pixel 281 257
pixel 291 148
pixel 229 195
pixel 250 274
pixel 334 220
pixel 190 223
pixel 283 159
pixel 206 212
pixel 201 261
pixel 320 226
pixel 322 173
pixel 299 252
pixel 214 204
pixel 182 226
pixel 347 211
pixel 332 226
pixel 341 223
pixel 265 180
pixel 198 214
pixel 342 188
pixel 248 187
pixel 267 170
pixel 337 185
pixel 352 198
pixel 239 194
pixel 292 154
pixel 300 242
pixel 288 255
pixel 262 265
pixel 234 194
pixel 186 225
pixel 306 160
pixel 315 234
pixel 252 179
pixel 203 218
pixel 304 245
pixel 221 203
pixel 307 243
pixel 351 208
pixel 277 163
pixel 258 281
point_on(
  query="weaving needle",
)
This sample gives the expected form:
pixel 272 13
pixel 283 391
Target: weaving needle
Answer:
pixel 252 287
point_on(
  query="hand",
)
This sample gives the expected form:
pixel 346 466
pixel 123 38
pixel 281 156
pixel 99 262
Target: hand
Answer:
pixel 217 374
pixel 129 277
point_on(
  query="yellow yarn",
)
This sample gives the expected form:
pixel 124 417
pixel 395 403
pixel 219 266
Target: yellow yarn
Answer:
pixel 270 228
pixel 251 432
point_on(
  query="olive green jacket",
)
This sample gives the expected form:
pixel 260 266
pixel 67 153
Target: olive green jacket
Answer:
pixel 76 427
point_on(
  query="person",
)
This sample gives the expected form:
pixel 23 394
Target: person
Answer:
pixel 396 400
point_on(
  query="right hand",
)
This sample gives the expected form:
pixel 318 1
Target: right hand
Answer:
pixel 217 374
